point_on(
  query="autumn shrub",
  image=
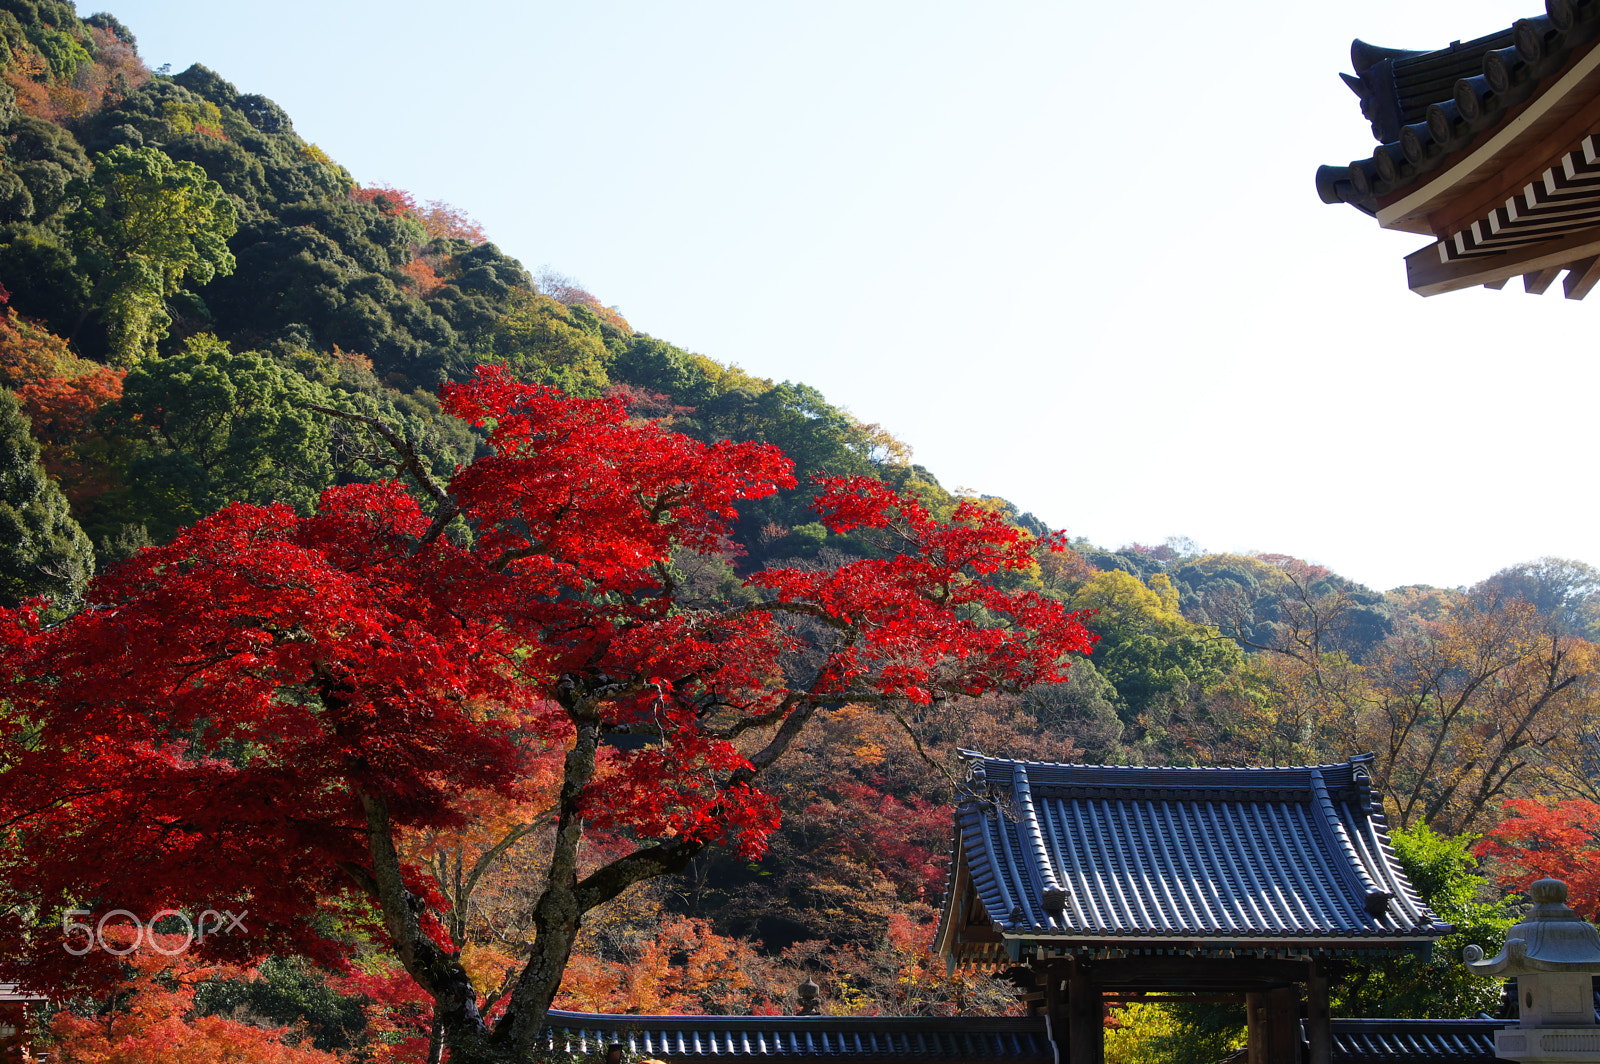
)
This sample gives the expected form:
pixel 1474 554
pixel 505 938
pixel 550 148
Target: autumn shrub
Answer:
pixel 900 976
pixel 686 969
pixel 149 1017
pixel 288 991
pixel 30 353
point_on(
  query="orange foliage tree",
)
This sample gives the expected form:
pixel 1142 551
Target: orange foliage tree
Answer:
pixel 438 219
pixel 115 71
pixel 147 1017
pixel 29 352
pixel 61 393
pixel 687 969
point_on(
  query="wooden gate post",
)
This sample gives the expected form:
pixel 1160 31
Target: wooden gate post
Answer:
pixel 1319 1021
pixel 1085 1025
pixel 1255 1012
pixel 1283 1021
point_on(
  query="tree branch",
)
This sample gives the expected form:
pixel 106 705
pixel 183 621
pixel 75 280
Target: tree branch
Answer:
pixel 411 463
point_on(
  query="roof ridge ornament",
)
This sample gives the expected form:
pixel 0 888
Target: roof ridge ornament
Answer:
pixel 1051 895
pixel 1374 899
pixel 974 760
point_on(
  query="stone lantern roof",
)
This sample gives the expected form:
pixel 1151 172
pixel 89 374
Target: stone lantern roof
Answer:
pixel 1550 938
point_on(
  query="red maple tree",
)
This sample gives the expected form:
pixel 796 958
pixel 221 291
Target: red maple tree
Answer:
pixel 247 718
pixel 1559 840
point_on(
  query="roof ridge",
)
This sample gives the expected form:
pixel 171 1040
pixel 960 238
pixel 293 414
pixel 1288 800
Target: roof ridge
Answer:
pixel 1174 768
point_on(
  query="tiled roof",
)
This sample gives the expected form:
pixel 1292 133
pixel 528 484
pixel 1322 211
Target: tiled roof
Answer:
pixel 1215 858
pixel 886 1039
pixel 806 1038
pixel 1427 106
pixel 1415 1041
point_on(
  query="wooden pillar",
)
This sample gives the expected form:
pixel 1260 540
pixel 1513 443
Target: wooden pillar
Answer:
pixel 1273 1018
pixel 1319 1019
pixel 1255 1011
pixel 1054 1003
pixel 1085 1023
pixel 1055 1006
pixel 1283 1019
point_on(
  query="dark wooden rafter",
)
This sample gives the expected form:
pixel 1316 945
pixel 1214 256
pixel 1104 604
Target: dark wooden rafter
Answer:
pixel 1429 277
pixel 1550 225
pixel 1564 200
pixel 1582 277
pixel 1536 283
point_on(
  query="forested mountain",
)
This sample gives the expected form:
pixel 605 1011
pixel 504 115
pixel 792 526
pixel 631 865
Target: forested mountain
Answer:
pixel 190 287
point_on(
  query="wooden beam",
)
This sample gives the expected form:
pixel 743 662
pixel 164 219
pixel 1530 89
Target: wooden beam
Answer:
pixel 1535 284
pixel 1496 285
pixel 1427 276
pixel 1209 973
pixel 1582 277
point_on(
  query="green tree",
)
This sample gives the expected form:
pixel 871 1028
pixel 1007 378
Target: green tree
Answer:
pixel 1082 708
pixel 42 549
pixel 1565 591
pixel 209 427
pixel 146 224
pixel 1167 1033
pixel 1442 870
pixel 539 339
pixel 1147 649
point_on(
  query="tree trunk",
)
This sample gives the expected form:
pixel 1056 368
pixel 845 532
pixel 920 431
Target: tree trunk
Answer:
pixel 556 926
pixel 438 973
pixel 557 914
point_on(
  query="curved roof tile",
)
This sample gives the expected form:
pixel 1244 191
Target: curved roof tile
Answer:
pixel 883 1039
pixel 1426 106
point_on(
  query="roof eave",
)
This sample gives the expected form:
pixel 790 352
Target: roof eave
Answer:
pixel 1494 156
pixel 1244 942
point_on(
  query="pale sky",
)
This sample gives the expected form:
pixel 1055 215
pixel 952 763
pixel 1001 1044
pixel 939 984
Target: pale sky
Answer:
pixel 1073 255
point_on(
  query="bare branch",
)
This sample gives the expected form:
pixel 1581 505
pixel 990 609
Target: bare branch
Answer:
pixel 410 463
pixel 916 741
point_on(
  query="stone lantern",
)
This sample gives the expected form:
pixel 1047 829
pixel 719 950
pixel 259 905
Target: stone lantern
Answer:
pixel 1554 954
